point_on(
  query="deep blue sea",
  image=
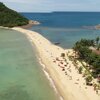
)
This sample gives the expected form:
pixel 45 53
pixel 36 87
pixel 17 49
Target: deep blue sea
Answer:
pixel 66 27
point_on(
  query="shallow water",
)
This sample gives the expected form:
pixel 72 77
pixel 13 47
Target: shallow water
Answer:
pixel 21 76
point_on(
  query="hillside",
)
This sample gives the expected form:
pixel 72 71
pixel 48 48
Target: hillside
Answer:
pixel 10 18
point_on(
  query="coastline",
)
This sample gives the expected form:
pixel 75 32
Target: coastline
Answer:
pixel 47 52
pixel 31 23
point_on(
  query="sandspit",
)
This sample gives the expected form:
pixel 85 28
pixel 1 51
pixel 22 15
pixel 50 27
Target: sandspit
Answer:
pixel 69 83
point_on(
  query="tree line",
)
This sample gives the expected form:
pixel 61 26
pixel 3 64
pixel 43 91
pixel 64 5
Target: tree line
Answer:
pixel 10 18
pixel 84 52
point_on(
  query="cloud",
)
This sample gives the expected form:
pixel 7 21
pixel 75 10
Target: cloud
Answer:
pixel 27 1
pixel 53 5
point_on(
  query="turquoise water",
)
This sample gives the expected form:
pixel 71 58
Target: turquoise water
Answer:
pixel 21 76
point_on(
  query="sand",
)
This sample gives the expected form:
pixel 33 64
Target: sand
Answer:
pixel 69 83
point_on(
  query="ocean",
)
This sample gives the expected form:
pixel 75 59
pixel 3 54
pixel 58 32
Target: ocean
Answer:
pixel 66 27
pixel 21 75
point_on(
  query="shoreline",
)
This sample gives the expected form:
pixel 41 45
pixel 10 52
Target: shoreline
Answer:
pixel 52 83
pixel 47 52
pixel 45 71
pixel 48 76
pixel 31 23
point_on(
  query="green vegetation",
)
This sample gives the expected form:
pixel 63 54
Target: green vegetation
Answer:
pixel 97 40
pixel 90 56
pixel 88 80
pixel 63 55
pixel 80 70
pixel 10 18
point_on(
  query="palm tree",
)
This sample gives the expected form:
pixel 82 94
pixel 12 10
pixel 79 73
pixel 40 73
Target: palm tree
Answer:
pixel 98 46
pixel 97 40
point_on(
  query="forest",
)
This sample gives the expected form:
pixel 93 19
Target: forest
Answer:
pixel 10 18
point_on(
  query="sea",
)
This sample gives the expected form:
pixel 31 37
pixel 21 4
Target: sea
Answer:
pixel 66 28
pixel 22 75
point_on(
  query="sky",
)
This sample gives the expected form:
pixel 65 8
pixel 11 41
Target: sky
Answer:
pixel 52 5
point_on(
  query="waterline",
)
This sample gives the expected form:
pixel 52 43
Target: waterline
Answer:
pixel 21 76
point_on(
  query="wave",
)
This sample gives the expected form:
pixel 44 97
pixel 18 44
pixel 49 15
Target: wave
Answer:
pixel 49 78
pixel 89 27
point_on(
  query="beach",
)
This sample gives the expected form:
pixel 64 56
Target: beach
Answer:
pixel 69 83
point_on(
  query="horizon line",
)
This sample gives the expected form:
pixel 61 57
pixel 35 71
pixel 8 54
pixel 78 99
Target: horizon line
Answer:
pixel 60 12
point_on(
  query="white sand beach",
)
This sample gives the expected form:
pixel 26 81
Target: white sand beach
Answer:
pixel 69 83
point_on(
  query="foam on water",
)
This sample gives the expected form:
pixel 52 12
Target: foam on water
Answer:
pixel 49 78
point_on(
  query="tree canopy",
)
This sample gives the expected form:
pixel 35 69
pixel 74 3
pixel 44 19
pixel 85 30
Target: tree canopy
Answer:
pixel 82 47
pixel 10 18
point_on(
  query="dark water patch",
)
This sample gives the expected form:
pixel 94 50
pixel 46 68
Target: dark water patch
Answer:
pixel 15 93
